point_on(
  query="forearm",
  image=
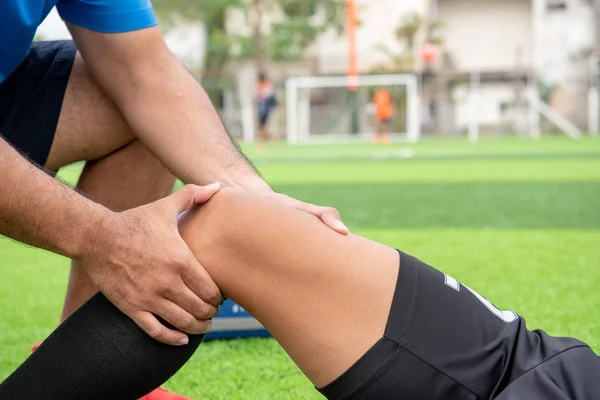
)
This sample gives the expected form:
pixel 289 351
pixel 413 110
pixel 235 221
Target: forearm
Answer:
pixel 40 211
pixel 174 117
pixel 165 106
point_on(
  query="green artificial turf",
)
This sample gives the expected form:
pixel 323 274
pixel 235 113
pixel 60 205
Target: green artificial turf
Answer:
pixel 515 219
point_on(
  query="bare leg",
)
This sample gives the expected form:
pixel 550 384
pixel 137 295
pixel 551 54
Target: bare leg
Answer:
pixel 263 134
pixel 325 297
pixel 378 131
pixel 90 126
pixel 263 137
pixel 122 173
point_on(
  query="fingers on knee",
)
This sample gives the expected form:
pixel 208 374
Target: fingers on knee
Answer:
pixel 223 212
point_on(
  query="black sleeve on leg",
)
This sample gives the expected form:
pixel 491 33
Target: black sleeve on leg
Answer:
pixel 98 353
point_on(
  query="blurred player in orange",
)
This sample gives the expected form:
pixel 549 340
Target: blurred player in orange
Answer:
pixel 384 113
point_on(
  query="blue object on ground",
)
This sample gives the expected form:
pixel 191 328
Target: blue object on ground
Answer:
pixel 232 321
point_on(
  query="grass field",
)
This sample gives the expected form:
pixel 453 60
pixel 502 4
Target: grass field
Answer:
pixel 516 220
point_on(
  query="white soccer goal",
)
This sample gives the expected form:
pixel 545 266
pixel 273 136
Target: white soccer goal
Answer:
pixel 324 110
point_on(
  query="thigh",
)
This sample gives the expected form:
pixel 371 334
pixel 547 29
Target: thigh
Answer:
pixel 90 126
pixel 445 341
pixel 460 333
pixel 53 112
pixel 389 372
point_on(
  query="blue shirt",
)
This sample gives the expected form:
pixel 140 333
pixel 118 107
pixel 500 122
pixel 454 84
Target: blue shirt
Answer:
pixel 19 19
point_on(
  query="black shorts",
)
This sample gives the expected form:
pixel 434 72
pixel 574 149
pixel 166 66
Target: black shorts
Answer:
pixel 445 342
pixel 31 98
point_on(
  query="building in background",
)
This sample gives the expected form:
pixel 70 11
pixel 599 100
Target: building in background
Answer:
pixel 507 46
pixel 510 43
pixel 509 49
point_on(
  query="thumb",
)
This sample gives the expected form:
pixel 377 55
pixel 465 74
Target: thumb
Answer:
pixel 329 216
pixel 186 197
pixel 204 193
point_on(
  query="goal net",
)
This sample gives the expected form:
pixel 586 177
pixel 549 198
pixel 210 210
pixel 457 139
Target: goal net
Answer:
pixel 325 109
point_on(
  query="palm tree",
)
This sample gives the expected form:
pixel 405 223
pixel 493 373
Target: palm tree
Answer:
pixel 407 31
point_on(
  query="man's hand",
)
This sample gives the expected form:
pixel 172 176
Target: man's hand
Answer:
pixel 329 216
pixel 142 265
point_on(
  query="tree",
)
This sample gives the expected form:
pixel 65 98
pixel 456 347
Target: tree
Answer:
pixel 303 22
pixel 407 33
pixel 299 24
pixel 294 26
pixel 213 15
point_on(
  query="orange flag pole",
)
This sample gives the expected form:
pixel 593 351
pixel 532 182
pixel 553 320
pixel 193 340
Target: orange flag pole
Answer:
pixel 351 25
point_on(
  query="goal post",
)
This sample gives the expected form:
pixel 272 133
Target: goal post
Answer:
pixel 317 107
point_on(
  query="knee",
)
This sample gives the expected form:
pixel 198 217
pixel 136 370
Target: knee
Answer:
pixel 220 224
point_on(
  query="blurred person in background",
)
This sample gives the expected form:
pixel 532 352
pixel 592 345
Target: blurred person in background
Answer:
pixel 383 113
pixel 265 103
pixel 117 98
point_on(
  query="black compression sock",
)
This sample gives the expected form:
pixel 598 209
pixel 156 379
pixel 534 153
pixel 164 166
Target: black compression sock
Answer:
pixel 97 353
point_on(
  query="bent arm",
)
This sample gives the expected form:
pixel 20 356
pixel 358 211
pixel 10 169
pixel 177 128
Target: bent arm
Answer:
pixel 165 106
pixel 171 114
pixel 40 211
